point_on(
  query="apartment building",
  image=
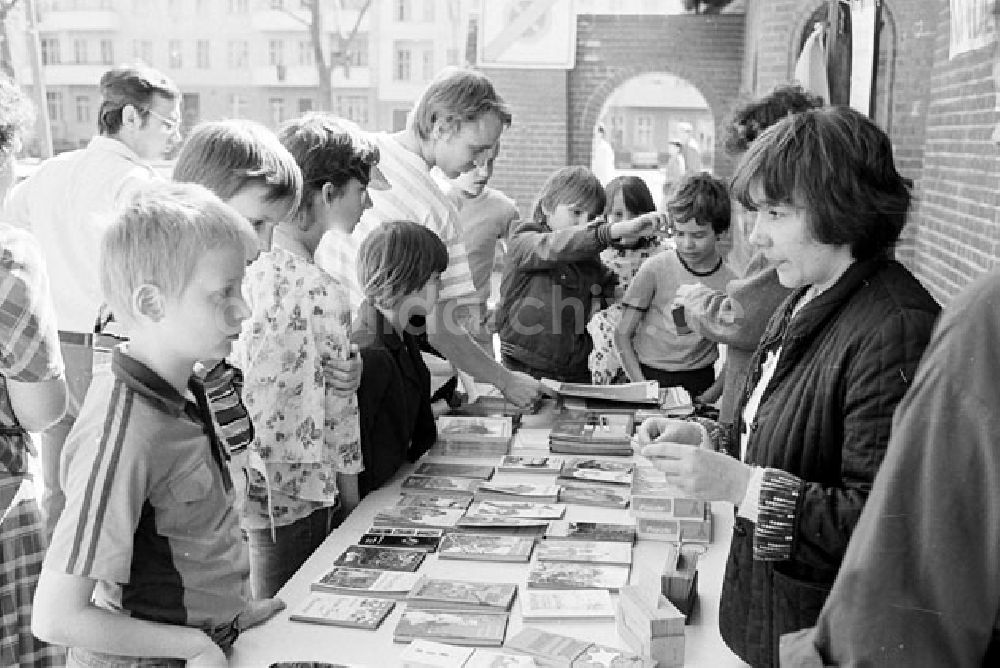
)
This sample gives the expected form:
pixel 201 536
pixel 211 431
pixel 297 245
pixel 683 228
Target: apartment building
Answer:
pixel 243 58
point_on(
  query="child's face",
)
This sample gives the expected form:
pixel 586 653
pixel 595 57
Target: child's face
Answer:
pixel 203 321
pixel 619 212
pixel 344 212
pixel 695 242
pixel 564 216
pixel 421 301
pixel 252 203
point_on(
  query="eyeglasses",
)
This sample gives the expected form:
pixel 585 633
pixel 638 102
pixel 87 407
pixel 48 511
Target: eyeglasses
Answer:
pixel 169 124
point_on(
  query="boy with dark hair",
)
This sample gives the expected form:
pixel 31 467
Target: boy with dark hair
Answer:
pixel 147 560
pixel 399 269
pixel 653 340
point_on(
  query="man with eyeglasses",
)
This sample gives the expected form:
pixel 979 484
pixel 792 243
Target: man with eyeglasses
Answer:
pixel 69 201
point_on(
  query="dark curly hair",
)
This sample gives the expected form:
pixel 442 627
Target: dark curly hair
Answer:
pixel 17 115
pixel 751 119
pixel 837 165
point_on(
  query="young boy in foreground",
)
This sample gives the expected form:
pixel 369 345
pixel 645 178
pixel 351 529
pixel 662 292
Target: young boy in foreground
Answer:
pixel 147 559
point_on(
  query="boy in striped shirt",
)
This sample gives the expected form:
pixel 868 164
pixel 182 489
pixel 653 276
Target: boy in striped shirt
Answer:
pixel 147 559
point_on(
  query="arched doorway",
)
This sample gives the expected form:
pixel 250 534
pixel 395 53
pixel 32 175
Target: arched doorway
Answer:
pixel 656 124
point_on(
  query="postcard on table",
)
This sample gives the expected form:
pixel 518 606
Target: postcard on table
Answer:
pixel 592 494
pixel 381 558
pixel 440 485
pixel 516 509
pixel 480 547
pixel 474 428
pixel 441 593
pixel 430 654
pixel 352 611
pixel 591 531
pixel 344 580
pixel 643 392
pixel 433 501
pixel 549 648
pixel 418 516
pixel 514 491
pixel 521 464
pixel 479 471
pixel 408 538
pixel 598 552
pixel 567 575
pixel 554 604
pixel 498 658
pixel 457 627
pixel 598 470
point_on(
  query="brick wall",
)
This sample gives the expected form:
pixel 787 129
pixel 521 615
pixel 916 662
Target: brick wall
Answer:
pixel 939 113
pixel 555 112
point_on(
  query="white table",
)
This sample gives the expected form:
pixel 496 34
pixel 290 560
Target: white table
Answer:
pixel 283 640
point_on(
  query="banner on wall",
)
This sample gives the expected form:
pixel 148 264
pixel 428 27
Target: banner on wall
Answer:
pixel 535 34
pixel 973 25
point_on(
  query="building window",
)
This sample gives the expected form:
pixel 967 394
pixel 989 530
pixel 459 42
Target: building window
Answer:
pixel 354 108
pixel 643 132
pixel 428 11
pixel 428 64
pixel 239 6
pixel 277 110
pixel 202 54
pixel 238 54
pixel 275 52
pixel 175 55
pixel 359 50
pixel 80 51
pixel 82 109
pixel 277 4
pixel 403 11
pixel 237 105
pixel 305 105
pixel 107 52
pixel 53 104
pixel 50 51
pixel 142 49
pixel 401 68
pixel 306 53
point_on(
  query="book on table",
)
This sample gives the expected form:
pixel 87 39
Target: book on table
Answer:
pixel 489 508
pixel 381 558
pixel 440 485
pixel 429 500
pixel 551 649
pixel 591 469
pixel 515 525
pixel 592 428
pixel 448 469
pixel 441 593
pixel 474 429
pixel 593 494
pixel 602 656
pixel 511 491
pixel 456 627
pixel 418 516
pixel 498 658
pixel 522 464
pixel 539 605
pixel 643 392
pixel 591 531
pixel 569 575
pixel 336 610
pixel 430 654
pixel 410 538
pixel 365 582
pixel 591 551
pixel 483 547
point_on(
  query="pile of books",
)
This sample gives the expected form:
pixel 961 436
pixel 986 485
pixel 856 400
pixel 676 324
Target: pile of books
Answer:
pixel 457 612
pixel 591 433
pixel 663 514
pixel 595 482
pixel 473 436
pixel 651 626
pixel 553 649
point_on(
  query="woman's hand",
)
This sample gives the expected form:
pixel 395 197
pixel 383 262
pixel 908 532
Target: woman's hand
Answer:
pixel 344 376
pixel 700 472
pixel 662 429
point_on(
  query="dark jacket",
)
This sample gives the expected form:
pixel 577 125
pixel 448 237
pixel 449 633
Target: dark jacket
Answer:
pixel 552 282
pixel 397 424
pixel 821 432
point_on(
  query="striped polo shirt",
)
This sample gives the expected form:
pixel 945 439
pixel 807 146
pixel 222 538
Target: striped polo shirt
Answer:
pixel 413 195
pixel 149 503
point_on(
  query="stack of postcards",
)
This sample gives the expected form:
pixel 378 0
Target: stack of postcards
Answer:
pixel 473 436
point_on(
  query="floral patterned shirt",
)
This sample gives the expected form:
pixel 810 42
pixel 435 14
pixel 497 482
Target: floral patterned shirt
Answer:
pixel 305 434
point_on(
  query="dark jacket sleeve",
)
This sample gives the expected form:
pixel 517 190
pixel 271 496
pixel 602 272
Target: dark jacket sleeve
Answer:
pixel 377 368
pixel 920 585
pixel 534 247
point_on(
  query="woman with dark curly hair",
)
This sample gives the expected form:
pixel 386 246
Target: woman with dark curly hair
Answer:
pixel 813 419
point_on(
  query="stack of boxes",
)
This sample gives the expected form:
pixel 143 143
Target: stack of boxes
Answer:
pixel 661 514
pixel 651 625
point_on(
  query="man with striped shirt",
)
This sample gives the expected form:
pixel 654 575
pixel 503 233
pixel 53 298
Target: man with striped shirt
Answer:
pixel 454 126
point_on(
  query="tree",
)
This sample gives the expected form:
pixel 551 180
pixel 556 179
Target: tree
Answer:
pixel 706 6
pixel 6 62
pixel 339 56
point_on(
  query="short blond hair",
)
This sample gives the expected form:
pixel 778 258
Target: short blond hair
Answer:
pixel 160 236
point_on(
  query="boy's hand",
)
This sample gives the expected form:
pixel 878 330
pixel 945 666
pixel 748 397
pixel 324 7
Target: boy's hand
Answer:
pixel 344 376
pixel 641 226
pixel 522 390
pixel 258 612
